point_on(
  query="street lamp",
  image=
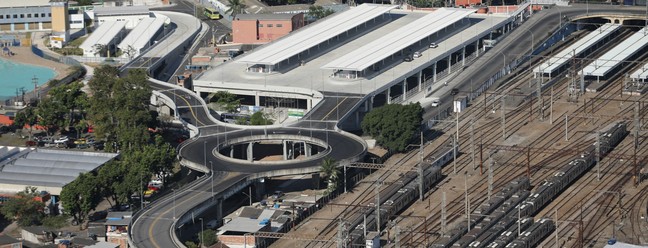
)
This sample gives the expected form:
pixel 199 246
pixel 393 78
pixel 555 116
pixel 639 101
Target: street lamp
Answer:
pixel 174 205
pixel 201 232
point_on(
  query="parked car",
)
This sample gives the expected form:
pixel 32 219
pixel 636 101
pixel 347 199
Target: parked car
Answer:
pixel 433 45
pixel 62 140
pixel 417 54
pixel 98 146
pixel 80 141
pixel 31 143
pixel 82 146
pixel 408 58
pixel 99 215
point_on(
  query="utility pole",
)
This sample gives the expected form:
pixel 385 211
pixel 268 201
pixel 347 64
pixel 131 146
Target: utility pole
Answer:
pixel 378 206
pixel 490 176
pixel 551 108
pixel 503 119
pixel 454 155
pixel 341 234
pixel 637 125
pixel 541 101
pixel 443 213
pixel 472 142
pixel 598 155
pixel 420 170
pixel 556 231
pixel 467 200
pixel 566 128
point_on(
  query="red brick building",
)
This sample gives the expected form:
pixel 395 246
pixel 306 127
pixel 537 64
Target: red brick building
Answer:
pixel 264 28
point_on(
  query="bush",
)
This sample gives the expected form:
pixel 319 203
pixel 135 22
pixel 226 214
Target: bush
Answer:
pixel 55 222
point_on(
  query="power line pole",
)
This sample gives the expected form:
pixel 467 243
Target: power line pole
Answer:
pixel 556 231
pixel 454 154
pixel 443 213
pixel 467 200
pixel 503 119
pixel 490 176
pixel 598 154
pixel 541 101
pixel 551 108
pixel 420 170
pixel 378 206
pixel 472 142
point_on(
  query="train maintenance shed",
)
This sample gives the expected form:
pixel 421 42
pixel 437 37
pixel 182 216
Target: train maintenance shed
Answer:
pixel 600 67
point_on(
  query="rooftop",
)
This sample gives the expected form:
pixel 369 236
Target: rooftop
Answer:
pixel 7 240
pixel 611 59
pixel 122 10
pixel 118 218
pixel 103 34
pixel 399 39
pixel 314 34
pixel 23 3
pixel 45 168
pixel 264 16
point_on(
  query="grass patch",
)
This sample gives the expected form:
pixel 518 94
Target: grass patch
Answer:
pixel 77 42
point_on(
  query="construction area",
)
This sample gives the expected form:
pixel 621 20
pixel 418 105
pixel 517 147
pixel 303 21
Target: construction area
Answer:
pixel 545 158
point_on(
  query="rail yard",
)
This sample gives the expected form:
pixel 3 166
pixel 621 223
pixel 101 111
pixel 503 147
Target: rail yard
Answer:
pixel 536 164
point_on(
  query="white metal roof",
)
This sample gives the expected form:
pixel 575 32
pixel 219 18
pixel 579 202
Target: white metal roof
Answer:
pixel 620 52
pixel 314 34
pixel 401 38
pixel 103 34
pixel 575 49
pixel 142 34
pixel 641 73
pixel 121 10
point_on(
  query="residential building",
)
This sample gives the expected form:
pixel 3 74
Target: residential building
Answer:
pixel 263 28
pixel 249 220
pixel 9 242
pixel 25 15
pixel 117 228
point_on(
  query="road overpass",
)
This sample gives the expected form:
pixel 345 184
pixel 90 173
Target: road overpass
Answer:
pixel 156 225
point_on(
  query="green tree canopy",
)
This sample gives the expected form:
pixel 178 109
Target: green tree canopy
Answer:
pixel 235 7
pixel 26 116
pixel 319 12
pixel 80 196
pixel 207 237
pixel 227 100
pixel 330 173
pixel 24 208
pixel 260 118
pixel 52 114
pixel 393 125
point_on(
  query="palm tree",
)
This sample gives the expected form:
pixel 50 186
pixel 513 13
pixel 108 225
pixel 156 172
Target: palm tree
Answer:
pixel 331 174
pixel 236 7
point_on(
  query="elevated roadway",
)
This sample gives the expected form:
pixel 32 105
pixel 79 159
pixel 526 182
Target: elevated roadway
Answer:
pixel 156 225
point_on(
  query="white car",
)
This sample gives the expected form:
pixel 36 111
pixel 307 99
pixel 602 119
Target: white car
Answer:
pixel 433 45
pixel 62 140
pixel 436 102
pixel 417 55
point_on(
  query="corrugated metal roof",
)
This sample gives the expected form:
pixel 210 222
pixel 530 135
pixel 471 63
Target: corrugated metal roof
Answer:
pixel 575 49
pixel 398 40
pixel 264 16
pixel 103 34
pixel 35 178
pixel 43 170
pixel 601 66
pixel 44 154
pixel 142 34
pixel 314 34
pixel 122 10
pixel 56 164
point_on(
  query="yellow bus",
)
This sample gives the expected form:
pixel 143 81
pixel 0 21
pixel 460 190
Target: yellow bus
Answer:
pixel 212 14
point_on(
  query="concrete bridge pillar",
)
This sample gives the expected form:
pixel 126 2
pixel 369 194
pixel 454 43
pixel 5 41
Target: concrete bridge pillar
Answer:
pixel 285 149
pixel 231 151
pixel 419 78
pixel 477 47
pixel 404 89
pixel 463 55
pixel 309 104
pixel 308 149
pixel 257 99
pixel 250 152
pixel 389 95
pixel 219 210
pixel 450 63
pixel 259 189
pixel 434 69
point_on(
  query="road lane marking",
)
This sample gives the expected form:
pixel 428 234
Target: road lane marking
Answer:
pixel 190 109
pixel 336 106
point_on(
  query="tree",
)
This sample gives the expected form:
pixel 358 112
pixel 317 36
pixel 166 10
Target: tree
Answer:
pixel 227 100
pixel 80 196
pixel 260 118
pixel 26 117
pixel 235 7
pixel 24 208
pixel 330 173
pixel 51 114
pixel 319 12
pixel 393 125
pixel 207 238
pixel 101 50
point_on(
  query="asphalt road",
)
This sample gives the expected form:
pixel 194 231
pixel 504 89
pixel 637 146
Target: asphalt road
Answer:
pixel 153 228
